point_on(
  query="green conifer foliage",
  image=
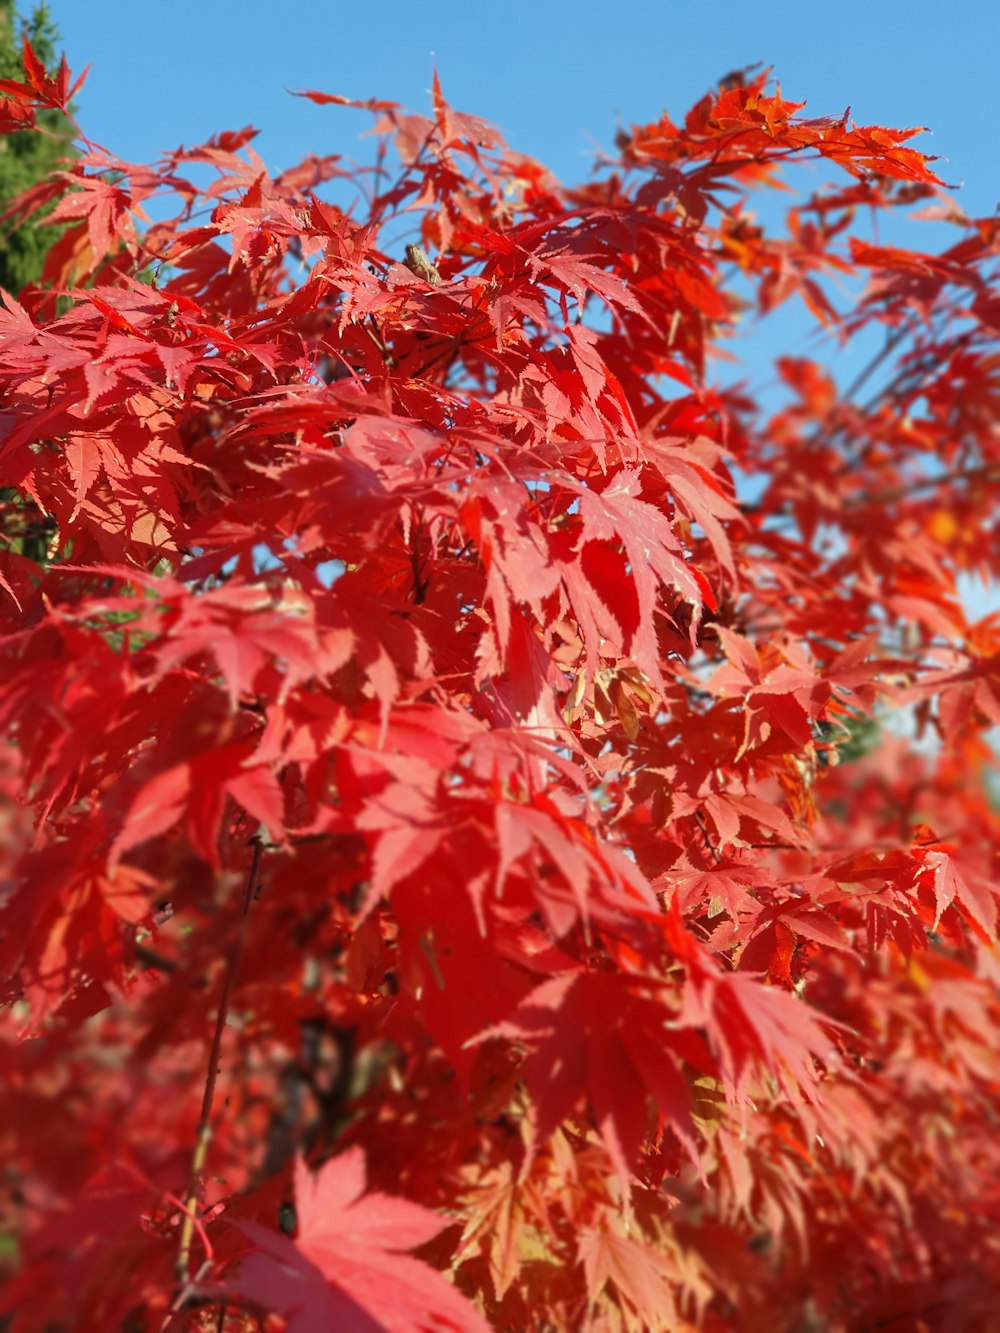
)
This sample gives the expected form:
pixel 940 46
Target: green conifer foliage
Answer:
pixel 31 155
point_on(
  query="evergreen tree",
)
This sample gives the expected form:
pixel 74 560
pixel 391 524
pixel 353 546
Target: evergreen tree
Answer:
pixel 31 155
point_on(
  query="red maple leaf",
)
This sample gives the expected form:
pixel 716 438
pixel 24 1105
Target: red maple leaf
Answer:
pixel 347 1267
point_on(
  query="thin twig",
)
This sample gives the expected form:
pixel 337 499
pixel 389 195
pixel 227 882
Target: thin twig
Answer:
pixel 378 340
pixel 204 1133
pixel 890 345
pixel 988 473
pixel 699 819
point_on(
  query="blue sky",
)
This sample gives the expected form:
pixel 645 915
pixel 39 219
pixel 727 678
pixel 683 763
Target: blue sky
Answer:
pixel 556 77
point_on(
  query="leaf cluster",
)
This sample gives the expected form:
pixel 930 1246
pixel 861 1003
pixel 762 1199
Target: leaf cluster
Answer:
pixel 442 812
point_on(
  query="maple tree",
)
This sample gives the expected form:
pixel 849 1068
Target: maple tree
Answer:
pixel 449 881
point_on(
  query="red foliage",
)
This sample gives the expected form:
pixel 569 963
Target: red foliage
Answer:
pixel 421 761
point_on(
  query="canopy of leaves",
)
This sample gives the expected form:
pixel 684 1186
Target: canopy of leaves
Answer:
pixel 423 765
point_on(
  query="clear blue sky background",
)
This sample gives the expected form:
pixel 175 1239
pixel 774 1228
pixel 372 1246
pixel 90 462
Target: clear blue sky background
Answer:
pixel 554 75
pixel 557 77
